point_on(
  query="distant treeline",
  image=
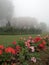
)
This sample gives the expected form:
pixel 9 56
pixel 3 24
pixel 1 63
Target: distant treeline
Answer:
pixel 17 31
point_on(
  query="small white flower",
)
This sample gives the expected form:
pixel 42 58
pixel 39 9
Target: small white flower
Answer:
pixel 32 48
pixel 33 59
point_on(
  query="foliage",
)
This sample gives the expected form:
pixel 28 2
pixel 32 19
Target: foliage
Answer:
pixel 24 51
pixel 10 30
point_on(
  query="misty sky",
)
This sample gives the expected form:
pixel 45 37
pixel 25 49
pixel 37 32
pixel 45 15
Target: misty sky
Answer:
pixel 32 8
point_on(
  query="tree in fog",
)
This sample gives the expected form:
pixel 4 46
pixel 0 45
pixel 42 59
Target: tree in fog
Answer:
pixel 25 22
pixel 6 9
pixel 43 27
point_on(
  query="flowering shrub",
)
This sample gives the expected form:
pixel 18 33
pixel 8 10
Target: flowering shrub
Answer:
pixel 24 50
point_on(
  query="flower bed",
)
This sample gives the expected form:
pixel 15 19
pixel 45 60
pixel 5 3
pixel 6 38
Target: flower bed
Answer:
pixel 31 51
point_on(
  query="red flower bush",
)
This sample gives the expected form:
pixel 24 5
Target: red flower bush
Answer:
pixel 24 50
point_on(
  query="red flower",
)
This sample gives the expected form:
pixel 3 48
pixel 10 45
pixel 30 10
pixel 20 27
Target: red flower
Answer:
pixel 28 45
pixel 41 46
pixel 14 42
pixel 18 48
pixel 43 42
pixel 1 52
pixel 10 50
pixel 1 47
pixel 5 63
pixel 37 39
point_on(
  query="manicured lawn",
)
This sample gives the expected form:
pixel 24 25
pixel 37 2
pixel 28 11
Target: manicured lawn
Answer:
pixel 8 39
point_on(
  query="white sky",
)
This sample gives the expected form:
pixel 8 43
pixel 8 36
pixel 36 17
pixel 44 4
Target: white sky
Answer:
pixel 32 8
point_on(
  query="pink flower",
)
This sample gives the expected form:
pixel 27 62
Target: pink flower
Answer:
pixel 33 59
pixel 32 48
pixel 30 37
pixel 27 44
pixel 32 41
pixel 28 41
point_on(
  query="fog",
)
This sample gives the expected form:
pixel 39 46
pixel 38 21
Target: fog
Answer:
pixel 32 8
pixel 6 10
pixel 24 13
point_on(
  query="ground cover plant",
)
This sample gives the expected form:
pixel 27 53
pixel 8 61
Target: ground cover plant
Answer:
pixel 25 51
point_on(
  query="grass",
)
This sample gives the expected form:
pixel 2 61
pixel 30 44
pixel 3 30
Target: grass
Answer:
pixel 8 39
